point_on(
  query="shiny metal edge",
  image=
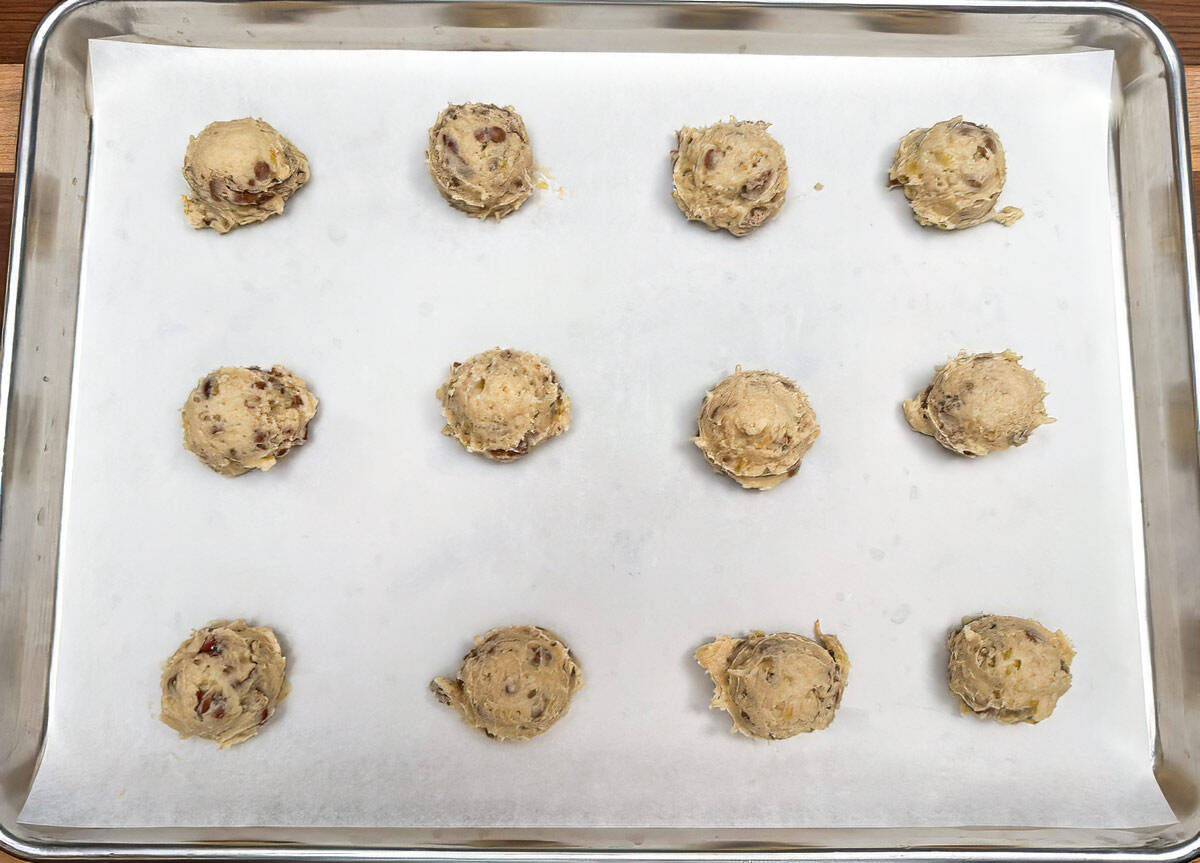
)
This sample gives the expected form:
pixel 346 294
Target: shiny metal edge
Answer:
pixel 1177 87
pixel 1177 83
pixel 26 145
pixel 1182 851
pixel 26 150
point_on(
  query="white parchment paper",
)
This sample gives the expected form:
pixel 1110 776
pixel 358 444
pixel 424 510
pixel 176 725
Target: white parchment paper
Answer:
pixel 380 548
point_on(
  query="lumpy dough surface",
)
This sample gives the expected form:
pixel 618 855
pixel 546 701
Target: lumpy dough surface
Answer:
pixel 503 403
pixel 1009 668
pixel 777 686
pixel 980 403
pixel 514 684
pixel 240 172
pixel 730 176
pixel 952 173
pixel 241 419
pixel 756 427
pixel 480 159
pixel 224 682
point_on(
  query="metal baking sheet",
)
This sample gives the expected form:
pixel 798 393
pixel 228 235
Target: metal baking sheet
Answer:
pixel 1097 394
pixel 618 535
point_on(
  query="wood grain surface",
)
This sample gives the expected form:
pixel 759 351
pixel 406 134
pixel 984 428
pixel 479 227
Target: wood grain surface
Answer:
pixel 18 18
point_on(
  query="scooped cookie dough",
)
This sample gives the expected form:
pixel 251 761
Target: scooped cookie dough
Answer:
pixel 480 159
pixel 952 173
pixel 237 420
pixel 503 403
pixel 980 403
pixel 224 682
pixel 1009 668
pixel 514 684
pixel 241 172
pixel 730 176
pixel 756 427
pixel 777 686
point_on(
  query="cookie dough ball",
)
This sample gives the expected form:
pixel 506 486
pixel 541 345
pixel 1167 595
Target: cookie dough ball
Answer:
pixel 1009 668
pixel 237 420
pixel 952 173
pixel 514 684
pixel 480 159
pixel 730 176
pixel 224 682
pixel 756 427
pixel 503 403
pixel 980 403
pixel 241 172
pixel 777 686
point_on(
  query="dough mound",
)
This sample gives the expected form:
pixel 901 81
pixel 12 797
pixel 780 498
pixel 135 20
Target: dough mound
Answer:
pixel 756 427
pixel 480 159
pixel 241 172
pixel 729 175
pixel 980 403
pixel 952 173
pixel 503 403
pixel 1009 668
pixel 224 682
pixel 514 684
pixel 777 686
pixel 236 420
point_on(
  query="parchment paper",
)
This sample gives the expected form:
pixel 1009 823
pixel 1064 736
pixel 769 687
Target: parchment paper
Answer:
pixel 380 548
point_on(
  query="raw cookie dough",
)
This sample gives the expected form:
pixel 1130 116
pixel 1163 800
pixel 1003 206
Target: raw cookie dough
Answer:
pixel 480 159
pixel 1009 668
pixel 777 686
pixel 729 175
pixel 952 173
pixel 979 403
pixel 241 172
pixel 238 419
pixel 503 403
pixel 223 682
pixel 756 427
pixel 514 684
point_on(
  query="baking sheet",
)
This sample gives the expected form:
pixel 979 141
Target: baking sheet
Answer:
pixel 380 548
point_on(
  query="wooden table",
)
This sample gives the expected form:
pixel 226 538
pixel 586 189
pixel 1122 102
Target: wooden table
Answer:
pixel 18 18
